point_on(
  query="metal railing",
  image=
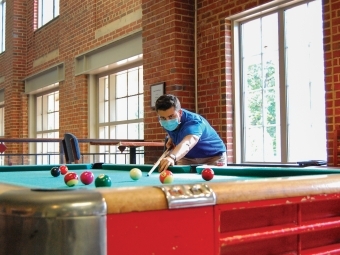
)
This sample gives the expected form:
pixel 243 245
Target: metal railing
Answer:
pixel 120 156
pixel 49 158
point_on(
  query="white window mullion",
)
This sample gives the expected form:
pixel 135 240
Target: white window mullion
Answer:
pixel 2 25
pixel 282 134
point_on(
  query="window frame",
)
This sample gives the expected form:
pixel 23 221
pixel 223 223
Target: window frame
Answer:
pixel 2 119
pixel 113 151
pixel 3 26
pixel 2 129
pixel 237 21
pixel 44 159
pixel 40 12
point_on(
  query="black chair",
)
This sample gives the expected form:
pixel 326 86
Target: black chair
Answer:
pixel 71 148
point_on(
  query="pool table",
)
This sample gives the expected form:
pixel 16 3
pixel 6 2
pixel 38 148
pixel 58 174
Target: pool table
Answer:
pixel 242 210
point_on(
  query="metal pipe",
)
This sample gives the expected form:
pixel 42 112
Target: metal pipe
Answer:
pixel 57 140
pixel 195 60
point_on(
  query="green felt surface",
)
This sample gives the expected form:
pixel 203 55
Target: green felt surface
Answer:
pixel 269 171
pixel 44 180
pixel 39 177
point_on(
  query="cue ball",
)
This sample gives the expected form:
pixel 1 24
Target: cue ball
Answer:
pixel 71 179
pixel 207 174
pixel 86 177
pixel 166 177
pixel 63 169
pixel 135 174
pixel 102 181
pixel 55 171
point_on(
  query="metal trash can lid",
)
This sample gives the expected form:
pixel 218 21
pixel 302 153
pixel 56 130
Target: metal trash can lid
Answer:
pixel 52 203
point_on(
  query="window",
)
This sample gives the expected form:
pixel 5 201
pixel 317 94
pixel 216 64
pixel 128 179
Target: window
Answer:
pixel 47 10
pixel 282 97
pixel 47 126
pixel 121 110
pixel 2 120
pixel 2 128
pixel 2 25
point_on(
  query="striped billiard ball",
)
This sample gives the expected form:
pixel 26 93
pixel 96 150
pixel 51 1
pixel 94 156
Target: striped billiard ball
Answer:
pixel 166 177
pixel 71 179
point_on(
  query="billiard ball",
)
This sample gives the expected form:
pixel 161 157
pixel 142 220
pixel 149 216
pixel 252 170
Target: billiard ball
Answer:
pixel 71 179
pixel 135 174
pixel 86 177
pixel 63 169
pixel 207 174
pixel 102 181
pixel 55 171
pixel 166 177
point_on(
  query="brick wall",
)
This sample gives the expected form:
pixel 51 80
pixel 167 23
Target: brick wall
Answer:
pixel 168 56
pixel 331 11
pixel 14 70
pixel 215 66
pixel 70 34
pixel 214 69
pixel 73 33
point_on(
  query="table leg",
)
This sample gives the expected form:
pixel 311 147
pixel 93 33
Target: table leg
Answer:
pixel 132 155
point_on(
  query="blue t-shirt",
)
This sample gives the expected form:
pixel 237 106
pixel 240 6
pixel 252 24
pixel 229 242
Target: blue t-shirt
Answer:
pixel 209 143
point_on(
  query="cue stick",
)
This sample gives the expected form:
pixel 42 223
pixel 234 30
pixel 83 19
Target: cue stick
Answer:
pixel 158 161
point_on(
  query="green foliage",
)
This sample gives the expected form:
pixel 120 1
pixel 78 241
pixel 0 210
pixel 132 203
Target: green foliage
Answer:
pixel 260 98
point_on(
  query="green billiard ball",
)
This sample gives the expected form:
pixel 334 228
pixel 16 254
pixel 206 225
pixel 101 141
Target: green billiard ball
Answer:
pixel 102 181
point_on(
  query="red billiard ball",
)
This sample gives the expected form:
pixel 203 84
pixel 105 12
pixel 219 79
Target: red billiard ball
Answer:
pixel 86 177
pixel 207 174
pixel 55 171
pixel 71 179
pixel 63 169
pixel 166 177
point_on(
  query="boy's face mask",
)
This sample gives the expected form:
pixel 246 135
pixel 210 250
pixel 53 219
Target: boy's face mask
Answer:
pixel 170 125
pixel 170 119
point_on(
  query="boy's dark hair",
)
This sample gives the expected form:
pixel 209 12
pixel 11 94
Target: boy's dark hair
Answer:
pixel 167 101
